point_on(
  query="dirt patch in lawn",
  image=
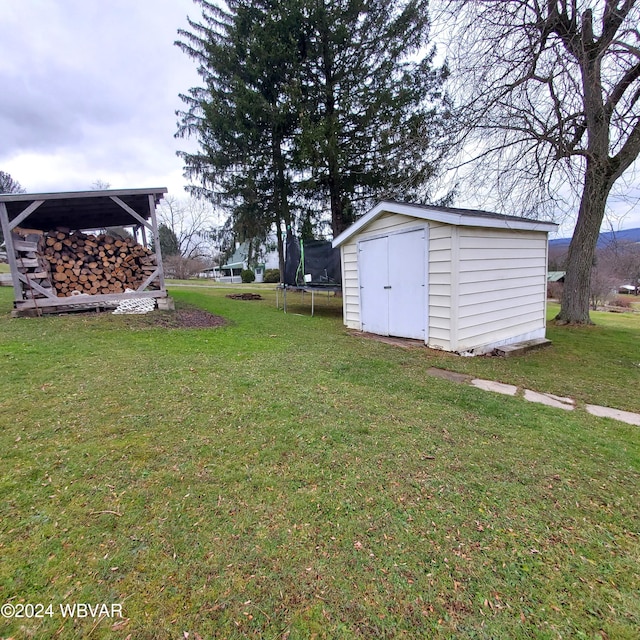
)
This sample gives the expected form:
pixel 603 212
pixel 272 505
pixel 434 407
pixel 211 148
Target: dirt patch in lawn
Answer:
pixel 245 296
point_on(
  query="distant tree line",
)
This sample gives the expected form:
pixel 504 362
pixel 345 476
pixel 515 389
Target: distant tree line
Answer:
pixel 615 264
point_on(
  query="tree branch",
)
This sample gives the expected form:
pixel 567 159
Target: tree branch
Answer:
pixel 619 90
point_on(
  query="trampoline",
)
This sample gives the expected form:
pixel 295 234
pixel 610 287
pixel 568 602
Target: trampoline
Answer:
pixel 311 266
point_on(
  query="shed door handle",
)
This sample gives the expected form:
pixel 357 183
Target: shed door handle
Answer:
pixel 388 287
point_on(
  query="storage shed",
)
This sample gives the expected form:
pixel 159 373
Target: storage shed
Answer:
pixel 63 255
pixel 460 280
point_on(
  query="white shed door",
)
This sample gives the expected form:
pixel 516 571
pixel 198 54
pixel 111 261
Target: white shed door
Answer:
pixel 393 284
pixel 373 266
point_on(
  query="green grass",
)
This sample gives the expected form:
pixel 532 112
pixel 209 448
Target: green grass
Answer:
pixel 4 268
pixel 213 284
pixel 280 478
pixel 597 364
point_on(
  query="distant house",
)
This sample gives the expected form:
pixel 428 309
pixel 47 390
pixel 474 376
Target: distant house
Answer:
pixel 628 288
pixel 556 276
pixel 231 271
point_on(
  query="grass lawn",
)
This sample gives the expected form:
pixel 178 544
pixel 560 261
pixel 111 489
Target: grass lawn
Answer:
pixel 280 478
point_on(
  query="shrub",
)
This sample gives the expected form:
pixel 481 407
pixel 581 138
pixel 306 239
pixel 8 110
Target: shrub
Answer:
pixel 272 275
pixel 247 276
pixel 625 303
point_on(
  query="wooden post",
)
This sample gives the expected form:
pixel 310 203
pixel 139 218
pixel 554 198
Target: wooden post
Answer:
pixel 143 231
pixel 11 254
pixel 156 242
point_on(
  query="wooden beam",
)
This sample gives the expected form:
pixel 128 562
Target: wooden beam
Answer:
pixel 23 245
pixel 25 214
pixel 67 195
pixel 36 287
pixel 11 254
pixel 149 280
pixel 131 212
pixel 87 299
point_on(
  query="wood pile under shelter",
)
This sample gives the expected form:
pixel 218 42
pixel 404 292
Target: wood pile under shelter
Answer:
pixel 78 250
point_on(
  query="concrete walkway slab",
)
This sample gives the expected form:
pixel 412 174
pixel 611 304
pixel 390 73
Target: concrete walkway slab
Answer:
pixel 615 414
pixel 548 399
pixel 497 387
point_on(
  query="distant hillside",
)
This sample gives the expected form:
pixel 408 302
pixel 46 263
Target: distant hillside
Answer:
pixel 626 235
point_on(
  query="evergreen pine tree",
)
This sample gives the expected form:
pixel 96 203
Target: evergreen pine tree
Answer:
pixel 330 101
pixel 245 115
pixel 373 104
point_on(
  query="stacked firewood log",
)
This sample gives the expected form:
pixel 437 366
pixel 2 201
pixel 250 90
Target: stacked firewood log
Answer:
pixel 94 264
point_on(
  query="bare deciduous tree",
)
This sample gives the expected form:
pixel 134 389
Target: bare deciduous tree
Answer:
pixel 604 279
pixel 626 261
pixel 177 266
pixel 100 185
pixel 551 106
pixel 191 220
pixel 9 185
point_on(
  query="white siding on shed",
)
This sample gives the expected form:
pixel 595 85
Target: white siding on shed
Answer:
pixel 441 286
pixel 502 276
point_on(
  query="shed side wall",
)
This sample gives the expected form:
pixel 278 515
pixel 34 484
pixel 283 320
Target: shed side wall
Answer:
pixel 441 285
pixel 502 285
pixel 386 223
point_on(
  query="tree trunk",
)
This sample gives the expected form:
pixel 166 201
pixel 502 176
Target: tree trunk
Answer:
pixel 331 151
pixel 280 247
pixel 574 307
pixel 280 196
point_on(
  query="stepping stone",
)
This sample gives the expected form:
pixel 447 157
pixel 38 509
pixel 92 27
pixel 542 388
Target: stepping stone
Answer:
pixel 519 348
pixel 548 399
pixel 615 414
pixel 497 387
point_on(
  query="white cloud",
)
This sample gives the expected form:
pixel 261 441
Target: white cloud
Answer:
pixel 90 91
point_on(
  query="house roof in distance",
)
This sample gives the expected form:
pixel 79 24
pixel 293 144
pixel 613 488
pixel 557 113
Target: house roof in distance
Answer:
pixel 447 215
pixel 81 209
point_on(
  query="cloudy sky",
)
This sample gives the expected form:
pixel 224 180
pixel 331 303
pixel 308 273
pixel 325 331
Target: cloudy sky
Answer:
pixel 90 89
pixel 89 92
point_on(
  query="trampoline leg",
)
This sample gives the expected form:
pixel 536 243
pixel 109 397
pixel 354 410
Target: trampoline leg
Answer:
pixel 313 294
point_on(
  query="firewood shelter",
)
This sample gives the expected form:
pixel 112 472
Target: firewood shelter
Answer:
pixel 54 237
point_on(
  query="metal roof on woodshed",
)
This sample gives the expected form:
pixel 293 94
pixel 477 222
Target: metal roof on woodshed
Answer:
pixel 82 209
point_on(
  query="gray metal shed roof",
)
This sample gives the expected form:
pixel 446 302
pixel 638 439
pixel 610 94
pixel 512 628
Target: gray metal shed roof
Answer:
pixel 82 209
pixel 448 215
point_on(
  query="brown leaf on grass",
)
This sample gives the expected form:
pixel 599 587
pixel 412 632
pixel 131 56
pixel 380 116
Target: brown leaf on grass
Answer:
pixel 120 625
